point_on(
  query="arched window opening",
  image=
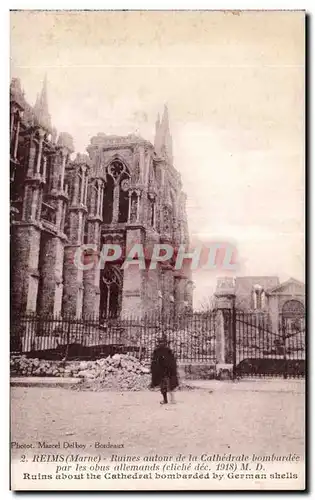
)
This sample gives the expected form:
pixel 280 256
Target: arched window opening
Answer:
pixel 37 153
pixel 123 199
pixel 111 292
pixel 133 207
pixel 94 198
pixel 80 188
pixel 152 212
pixel 48 209
pixel 115 169
pixel 108 200
pixel 293 309
pixel 86 183
pixel 67 227
pixel 15 129
pixel 258 297
pixel 85 232
pixel 17 190
pixel 116 201
pixel 48 174
pixel 63 219
pixel 43 166
pixel 293 324
pixel 71 188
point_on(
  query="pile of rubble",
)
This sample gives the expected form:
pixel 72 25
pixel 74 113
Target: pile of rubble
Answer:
pixel 121 372
pixel 28 367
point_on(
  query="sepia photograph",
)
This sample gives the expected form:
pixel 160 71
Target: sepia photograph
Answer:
pixel 157 250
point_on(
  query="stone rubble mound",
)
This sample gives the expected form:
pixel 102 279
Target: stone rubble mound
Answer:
pixel 117 372
pixel 29 367
pixel 118 365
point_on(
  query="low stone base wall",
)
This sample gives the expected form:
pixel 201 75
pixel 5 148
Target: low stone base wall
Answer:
pixel 27 367
pixel 205 371
pixel 197 371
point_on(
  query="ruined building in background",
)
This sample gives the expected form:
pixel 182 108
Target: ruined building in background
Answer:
pixel 126 190
pixel 262 294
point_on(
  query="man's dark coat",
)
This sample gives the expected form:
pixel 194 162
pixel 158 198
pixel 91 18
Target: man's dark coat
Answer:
pixel 163 366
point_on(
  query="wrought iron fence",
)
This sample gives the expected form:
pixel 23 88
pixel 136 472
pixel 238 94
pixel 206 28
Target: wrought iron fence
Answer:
pixel 253 344
pixel 192 337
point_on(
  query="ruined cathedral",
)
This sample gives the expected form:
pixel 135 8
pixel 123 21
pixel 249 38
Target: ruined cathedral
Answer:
pixel 125 190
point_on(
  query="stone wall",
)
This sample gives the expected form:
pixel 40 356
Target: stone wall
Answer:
pixel 25 246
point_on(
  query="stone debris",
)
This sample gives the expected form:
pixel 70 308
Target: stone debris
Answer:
pixel 117 372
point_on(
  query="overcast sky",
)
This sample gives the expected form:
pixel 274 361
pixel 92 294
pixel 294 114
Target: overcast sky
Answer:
pixel 234 85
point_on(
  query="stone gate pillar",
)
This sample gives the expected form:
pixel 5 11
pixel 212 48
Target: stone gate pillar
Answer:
pixel 168 300
pixel 225 304
pixel 224 343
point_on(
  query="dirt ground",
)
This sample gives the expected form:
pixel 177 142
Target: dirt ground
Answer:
pixel 216 421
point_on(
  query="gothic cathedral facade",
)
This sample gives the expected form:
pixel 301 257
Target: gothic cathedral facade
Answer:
pixel 124 191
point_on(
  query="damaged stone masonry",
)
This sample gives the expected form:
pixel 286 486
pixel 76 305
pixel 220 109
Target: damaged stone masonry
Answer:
pixel 119 372
pixel 125 191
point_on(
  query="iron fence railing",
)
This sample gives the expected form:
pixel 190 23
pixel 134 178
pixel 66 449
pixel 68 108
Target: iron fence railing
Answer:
pixel 253 344
pixel 192 337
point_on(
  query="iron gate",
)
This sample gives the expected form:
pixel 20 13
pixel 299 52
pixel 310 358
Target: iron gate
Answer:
pixel 262 350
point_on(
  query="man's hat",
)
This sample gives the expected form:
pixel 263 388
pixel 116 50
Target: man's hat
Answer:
pixel 162 339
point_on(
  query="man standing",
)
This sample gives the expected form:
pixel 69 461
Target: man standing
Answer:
pixel 164 369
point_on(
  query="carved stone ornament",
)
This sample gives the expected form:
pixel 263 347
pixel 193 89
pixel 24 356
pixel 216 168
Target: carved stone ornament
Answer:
pixel 115 169
pixel 125 184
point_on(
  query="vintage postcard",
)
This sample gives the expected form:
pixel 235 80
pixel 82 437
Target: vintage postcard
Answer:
pixel 157 250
